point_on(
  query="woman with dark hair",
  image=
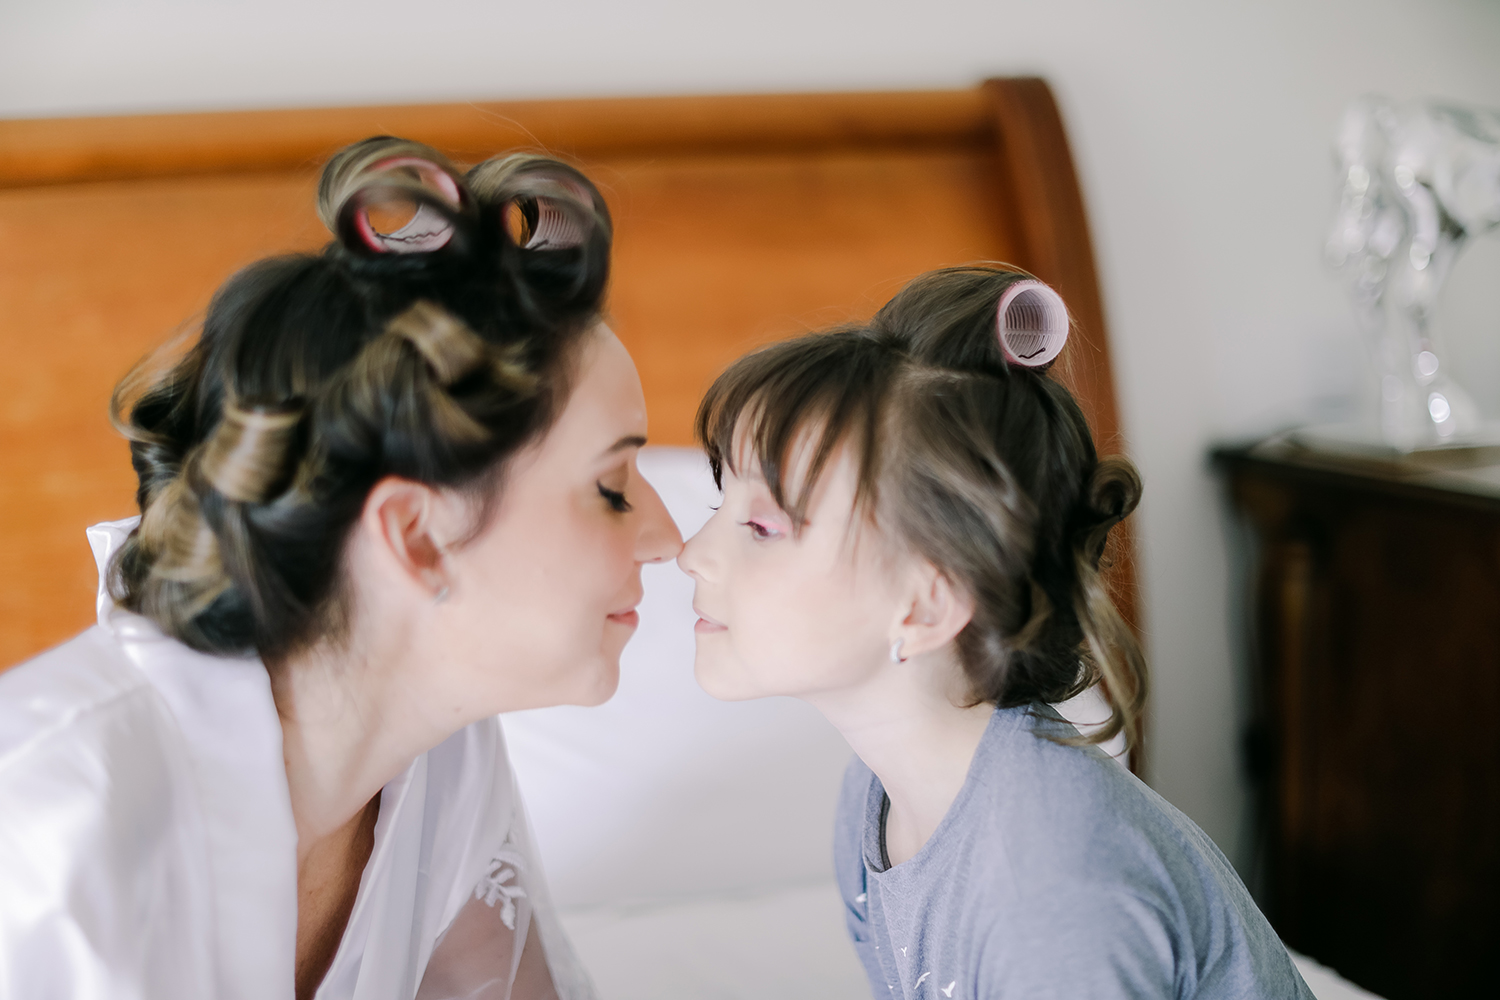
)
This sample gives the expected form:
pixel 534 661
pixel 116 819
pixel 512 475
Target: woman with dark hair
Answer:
pixel 389 493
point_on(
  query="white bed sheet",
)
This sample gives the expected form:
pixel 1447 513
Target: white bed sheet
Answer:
pixel 786 943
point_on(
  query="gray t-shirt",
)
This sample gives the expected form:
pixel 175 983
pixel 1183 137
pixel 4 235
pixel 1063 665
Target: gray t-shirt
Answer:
pixel 1055 873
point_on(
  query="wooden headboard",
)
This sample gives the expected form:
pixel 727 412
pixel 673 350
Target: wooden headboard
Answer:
pixel 739 220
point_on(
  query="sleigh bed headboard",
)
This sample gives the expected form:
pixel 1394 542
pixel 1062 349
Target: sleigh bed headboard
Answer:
pixel 739 220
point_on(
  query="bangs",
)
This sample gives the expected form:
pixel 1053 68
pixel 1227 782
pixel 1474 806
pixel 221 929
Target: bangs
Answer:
pixel 787 408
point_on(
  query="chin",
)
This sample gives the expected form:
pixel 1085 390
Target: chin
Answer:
pixel 713 680
pixel 605 683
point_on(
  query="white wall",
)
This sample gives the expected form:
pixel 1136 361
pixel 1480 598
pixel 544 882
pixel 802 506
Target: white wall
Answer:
pixel 1201 130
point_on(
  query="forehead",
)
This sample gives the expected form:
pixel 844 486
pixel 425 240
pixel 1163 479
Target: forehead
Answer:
pixel 606 397
pixel 804 463
pixel 830 499
pixel 604 405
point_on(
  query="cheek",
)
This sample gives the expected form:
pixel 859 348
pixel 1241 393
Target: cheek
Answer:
pixel 590 561
pixel 591 572
pixel 533 614
pixel 792 631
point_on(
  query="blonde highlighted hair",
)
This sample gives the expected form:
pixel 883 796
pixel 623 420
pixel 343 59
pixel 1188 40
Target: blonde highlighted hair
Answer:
pixel 432 352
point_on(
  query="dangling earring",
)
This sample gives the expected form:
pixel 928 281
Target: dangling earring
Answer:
pixel 441 595
pixel 896 656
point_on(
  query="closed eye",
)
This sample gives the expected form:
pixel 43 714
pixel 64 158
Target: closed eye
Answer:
pixel 615 499
pixel 760 531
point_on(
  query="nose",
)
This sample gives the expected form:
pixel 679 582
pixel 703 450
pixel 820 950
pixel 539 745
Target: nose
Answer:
pixel 659 539
pixel 696 555
pixel 687 559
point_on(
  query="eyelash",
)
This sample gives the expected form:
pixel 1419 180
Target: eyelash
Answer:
pixel 615 499
pixel 759 531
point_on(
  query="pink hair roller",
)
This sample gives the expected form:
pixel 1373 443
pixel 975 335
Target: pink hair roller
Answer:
pixel 555 228
pixel 1033 324
pixel 427 229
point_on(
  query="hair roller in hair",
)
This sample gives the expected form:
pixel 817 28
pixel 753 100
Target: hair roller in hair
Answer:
pixel 1033 324
pixel 549 225
pixel 449 347
pixel 544 203
pixel 391 196
pixel 246 458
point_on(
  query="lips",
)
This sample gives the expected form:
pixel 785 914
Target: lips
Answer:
pixel 706 625
pixel 627 615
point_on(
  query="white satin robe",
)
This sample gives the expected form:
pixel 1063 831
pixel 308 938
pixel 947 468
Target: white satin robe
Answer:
pixel 147 848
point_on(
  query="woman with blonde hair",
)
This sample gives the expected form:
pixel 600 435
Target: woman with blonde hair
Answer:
pixel 390 492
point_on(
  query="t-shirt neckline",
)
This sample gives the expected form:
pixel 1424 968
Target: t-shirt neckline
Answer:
pixel 877 806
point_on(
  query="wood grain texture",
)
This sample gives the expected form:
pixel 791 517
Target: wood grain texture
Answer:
pixel 740 220
pixel 66 150
pixel 1057 247
pixel 1378 663
pixel 717 255
pixel 93 277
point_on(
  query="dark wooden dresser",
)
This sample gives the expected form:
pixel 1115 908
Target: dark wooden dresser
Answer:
pixel 1376 735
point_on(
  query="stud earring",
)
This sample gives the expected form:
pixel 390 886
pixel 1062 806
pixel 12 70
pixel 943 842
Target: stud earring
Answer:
pixel 896 656
pixel 441 595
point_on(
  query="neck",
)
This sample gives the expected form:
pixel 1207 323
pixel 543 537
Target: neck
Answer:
pixel 909 727
pixel 350 724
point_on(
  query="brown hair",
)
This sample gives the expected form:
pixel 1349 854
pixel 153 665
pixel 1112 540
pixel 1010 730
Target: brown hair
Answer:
pixel 984 468
pixel 429 358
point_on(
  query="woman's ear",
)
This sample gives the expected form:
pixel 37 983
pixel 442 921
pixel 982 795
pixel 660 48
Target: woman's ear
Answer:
pixel 406 528
pixel 936 612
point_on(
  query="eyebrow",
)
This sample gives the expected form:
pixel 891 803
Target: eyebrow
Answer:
pixel 628 441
